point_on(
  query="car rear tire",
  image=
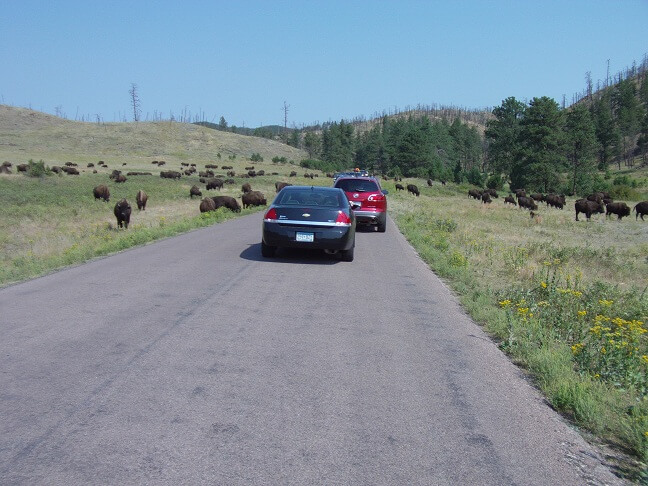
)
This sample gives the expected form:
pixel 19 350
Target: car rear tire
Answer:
pixel 382 225
pixel 268 251
pixel 347 255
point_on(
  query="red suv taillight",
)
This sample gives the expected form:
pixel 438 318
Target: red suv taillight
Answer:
pixel 376 197
pixel 271 215
pixel 343 219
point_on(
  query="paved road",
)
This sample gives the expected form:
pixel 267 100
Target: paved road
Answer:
pixel 194 361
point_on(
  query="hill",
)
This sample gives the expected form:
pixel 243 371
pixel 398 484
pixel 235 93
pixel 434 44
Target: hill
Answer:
pixel 27 134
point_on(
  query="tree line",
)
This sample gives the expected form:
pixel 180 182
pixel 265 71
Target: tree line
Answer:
pixel 540 146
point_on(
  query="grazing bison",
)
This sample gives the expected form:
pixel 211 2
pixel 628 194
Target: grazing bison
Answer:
pixel 231 173
pixel 491 192
pixel 250 168
pixel 510 199
pixel 141 200
pixel 588 208
pixel 120 178
pixel 245 188
pixel 114 174
pixel 207 204
pixel 399 187
pixel 520 193
pixel 123 213
pixel 293 174
pixel 90 164
pixel 69 170
pixel 621 209
pixel 56 169
pixel 475 193
pixel 485 198
pixel 280 185
pixel 429 182
pixel 251 173
pixel 170 174
pixel 101 192
pixel 527 203
pixel 215 184
pixel 411 188
pixel 641 209
pixel 195 191
pixel 226 202
pixel 538 197
pixel 555 200
pixel 253 198
pixel 261 173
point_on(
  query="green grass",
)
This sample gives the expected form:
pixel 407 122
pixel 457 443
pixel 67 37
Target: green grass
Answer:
pixel 554 272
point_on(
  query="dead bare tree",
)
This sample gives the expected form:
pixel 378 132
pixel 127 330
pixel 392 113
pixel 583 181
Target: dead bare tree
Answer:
pixel 285 108
pixel 135 102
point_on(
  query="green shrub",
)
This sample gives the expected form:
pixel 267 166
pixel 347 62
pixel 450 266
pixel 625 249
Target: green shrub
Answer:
pixel 37 169
pixel 256 158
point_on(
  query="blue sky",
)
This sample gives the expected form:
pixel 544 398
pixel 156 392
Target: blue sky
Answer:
pixel 328 60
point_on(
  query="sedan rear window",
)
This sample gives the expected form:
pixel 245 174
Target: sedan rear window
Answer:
pixel 353 185
pixel 310 198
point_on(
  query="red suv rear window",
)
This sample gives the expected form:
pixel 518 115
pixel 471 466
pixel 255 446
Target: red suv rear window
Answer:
pixel 357 185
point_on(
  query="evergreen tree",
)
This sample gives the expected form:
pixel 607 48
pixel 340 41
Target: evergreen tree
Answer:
pixel 312 144
pixel 581 147
pixel 503 135
pixel 606 133
pixel 542 142
pixel 642 141
pixel 627 111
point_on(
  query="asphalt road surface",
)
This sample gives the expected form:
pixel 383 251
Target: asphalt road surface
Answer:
pixel 195 361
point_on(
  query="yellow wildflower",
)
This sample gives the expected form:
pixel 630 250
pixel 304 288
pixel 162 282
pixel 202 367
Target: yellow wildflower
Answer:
pixel 605 302
pixel 603 351
pixel 543 285
pixel 582 313
pixel 505 303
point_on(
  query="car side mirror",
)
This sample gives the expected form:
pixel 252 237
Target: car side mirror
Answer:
pixel 355 205
pixel 385 192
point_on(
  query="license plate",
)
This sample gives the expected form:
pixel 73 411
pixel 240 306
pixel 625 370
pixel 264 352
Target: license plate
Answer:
pixel 305 237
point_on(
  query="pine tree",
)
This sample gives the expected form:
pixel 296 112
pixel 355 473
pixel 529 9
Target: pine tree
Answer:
pixel 542 142
pixel 606 133
pixel 503 135
pixel 581 147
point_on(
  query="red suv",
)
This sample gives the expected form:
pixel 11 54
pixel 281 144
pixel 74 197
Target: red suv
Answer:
pixel 366 191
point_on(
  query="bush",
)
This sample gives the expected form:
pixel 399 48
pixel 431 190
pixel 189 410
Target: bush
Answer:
pixel 624 192
pixel 276 160
pixel 37 169
pixel 495 182
pixel 256 158
pixel 624 180
pixel 475 177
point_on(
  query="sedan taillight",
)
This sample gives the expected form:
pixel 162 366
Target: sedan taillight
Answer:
pixel 343 219
pixel 271 215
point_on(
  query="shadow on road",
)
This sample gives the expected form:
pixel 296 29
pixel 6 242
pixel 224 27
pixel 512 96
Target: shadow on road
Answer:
pixel 290 255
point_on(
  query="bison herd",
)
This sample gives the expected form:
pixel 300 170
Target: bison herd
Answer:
pixel 595 203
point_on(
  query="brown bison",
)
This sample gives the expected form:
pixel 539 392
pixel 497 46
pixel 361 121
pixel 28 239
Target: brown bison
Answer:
pixel 206 173
pixel 280 185
pixel 527 203
pixel 399 187
pixel 412 189
pixel 475 193
pixel 641 209
pixel 215 184
pixel 491 192
pixel 195 191
pixel 122 212
pixel 245 188
pixel 555 200
pixel 429 182
pixel 120 178
pixel 485 198
pixel 101 192
pixel 226 202
pixel 170 174
pixel 588 208
pixel 70 170
pixel 207 204
pixel 260 173
pixel 520 193
pixel 510 199
pixel 621 209
pixel 253 198
pixel 141 200
pixel 538 197
pixel 293 174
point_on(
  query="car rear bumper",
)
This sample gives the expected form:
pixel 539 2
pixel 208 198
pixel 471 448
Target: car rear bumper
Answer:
pixel 370 217
pixel 332 238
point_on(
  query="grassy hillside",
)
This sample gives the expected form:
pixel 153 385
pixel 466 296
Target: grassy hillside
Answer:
pixel 27 134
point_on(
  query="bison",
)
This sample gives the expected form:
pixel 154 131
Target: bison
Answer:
pixel 491 192
pixel 245 188
pixel 215 184
pixel 280 185
pixel 641 209
pixel 226 202
pixel 253 198
pixel 141 200
pixel 120 178
pixel 207 204
pixel 510 199
pixel 475 193
pixel 399 187
pixel 555 200
pixel 485 198
pixel 195 191
pixel 122 212
pixel 411 188
pixel 170 174
pixel 588 208
pixel 527 203
pixel 520 193
pixel 101 192
pixel 429 182
pixel 621 209
pixel 293 174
